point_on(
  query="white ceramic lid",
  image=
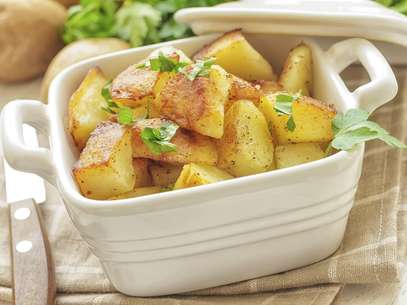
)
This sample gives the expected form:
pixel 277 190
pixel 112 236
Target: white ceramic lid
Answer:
pixel 333 18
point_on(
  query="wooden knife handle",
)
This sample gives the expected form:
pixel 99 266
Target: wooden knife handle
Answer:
pixel 33 272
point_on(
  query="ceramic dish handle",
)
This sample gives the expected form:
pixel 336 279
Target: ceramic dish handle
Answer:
pixel 382 86
pixel 20 156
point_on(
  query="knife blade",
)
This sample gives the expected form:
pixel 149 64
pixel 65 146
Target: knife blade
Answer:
pixel 33 272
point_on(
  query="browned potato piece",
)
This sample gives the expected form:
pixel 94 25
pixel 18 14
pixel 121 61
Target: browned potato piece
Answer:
pixel 164 174
pixel 141 172
pixel 313 120
pixel 197 105
pixel 138 192
pixel 105 166
pixel 199 174
pixel 134 86
pixel 297 72
pixel 268 87
pixel 77 51
pixel 293 154
pixel 246 147
pixel 234 53
pixel 191 147
pixel 85 107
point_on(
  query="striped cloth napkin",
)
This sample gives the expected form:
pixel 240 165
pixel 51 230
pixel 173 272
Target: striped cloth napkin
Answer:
pixel 372 251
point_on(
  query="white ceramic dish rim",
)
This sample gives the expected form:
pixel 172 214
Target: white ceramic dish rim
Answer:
pixel 145 203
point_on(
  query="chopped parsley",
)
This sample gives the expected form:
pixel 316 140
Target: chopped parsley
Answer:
pixel 283 105
pixel 158 139
pixel 124 114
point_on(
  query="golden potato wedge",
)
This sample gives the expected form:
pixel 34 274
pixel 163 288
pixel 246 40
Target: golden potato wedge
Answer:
pixel 246 147
pixel 243 90
pixel 234 53
pixel 297 71
pixel 164 174
pixel 199 174
pixel 268 87
pixel 105 166
pixel 197 105
pixel 141 172
pixel 293 154
pixel 134 86
pixel 312 118
pixel 190 146
pixel 85 107
pixel 138 192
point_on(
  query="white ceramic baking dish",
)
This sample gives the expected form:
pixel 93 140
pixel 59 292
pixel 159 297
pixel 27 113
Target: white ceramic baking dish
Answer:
pixel 214 234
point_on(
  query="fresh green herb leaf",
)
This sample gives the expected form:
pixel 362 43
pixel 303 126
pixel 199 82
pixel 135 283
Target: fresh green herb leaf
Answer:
pixel 291 124
pixel 125 115
pixel 353 128
pixel 283 105
pixel 158 139
pixel 199 68
pixel 164 63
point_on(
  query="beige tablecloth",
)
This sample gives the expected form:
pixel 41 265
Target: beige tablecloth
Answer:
pixel 372 251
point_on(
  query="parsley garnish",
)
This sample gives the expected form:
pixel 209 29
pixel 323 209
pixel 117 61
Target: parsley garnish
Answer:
pixel 164 63
pixel 124 114
pixel 353 128
pixel 199 68
pixel 283 105
pixel 158 139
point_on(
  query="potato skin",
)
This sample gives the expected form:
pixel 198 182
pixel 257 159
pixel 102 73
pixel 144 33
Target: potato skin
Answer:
pixel 297 71
pixel 77 51
pixel 68 3
pixel 313 120
pixel 191 146
pixel 164 174
pixel 234 54
pixel 246 147
pixel 293 154
pixel 29 37
pixel 138 192
pixel 105 166
pixel 197 105
pixel 134 86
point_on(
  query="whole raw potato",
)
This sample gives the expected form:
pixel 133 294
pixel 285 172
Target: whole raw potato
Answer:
pixel 67 3
pixel 77 51
pixel 29 37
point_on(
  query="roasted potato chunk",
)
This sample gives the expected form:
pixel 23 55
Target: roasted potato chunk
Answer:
pixel 138 192
pixel 246 147
pixel 134 86
pixel 293 154
pixel 234 53
pixel 313 120
pixel 268 87
pixel 105 166
pixel 197 105
pixel 165 174
pixel 199 174
pixel 141 172
pixel 297 72
pixel 85 107
pixel 190 146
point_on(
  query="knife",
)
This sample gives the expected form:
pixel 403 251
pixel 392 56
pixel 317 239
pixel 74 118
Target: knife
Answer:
pixel 33 272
